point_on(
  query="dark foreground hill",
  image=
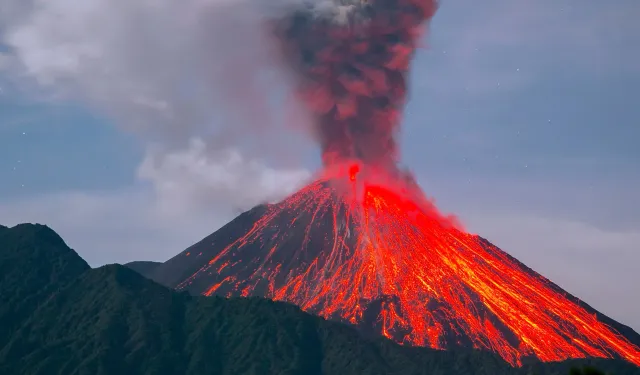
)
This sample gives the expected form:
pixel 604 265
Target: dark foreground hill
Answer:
pixel 58 316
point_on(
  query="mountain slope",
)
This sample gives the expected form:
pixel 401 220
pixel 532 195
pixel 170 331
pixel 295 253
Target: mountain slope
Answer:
pixel 175 270
pixel 113 321
pixel 393 270
pixel 34 262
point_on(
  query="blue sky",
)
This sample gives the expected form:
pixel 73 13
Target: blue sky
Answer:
pixel 523 121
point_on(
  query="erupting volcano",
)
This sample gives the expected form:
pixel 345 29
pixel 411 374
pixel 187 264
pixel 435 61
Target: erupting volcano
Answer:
pixel 362 244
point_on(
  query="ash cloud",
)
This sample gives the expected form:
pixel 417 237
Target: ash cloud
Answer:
pixel 350 63
pixel 175 73
pixel 166 70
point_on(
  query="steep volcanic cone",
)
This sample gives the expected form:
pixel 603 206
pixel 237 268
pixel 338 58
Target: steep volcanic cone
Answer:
pixel 362 244
pixel 386 265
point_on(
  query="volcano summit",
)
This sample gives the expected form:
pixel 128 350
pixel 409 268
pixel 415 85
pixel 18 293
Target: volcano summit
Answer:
pixel 362 244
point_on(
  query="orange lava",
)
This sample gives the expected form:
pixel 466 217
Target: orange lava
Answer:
pixel 444 284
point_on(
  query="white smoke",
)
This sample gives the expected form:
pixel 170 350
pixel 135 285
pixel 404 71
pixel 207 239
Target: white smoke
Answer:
pixel 170 71
pixel 186 181
pixel 176 67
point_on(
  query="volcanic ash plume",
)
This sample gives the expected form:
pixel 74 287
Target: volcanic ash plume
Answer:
pixel 350 61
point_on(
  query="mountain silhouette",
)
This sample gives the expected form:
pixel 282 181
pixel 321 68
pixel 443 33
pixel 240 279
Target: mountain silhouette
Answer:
pixel 59 316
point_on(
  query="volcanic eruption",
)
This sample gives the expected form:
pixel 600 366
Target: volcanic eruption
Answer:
pixel 362 244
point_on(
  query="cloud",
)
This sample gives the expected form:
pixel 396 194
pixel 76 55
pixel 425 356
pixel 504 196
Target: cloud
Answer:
pixel 188 180
pixel 195 79
pixel 167 70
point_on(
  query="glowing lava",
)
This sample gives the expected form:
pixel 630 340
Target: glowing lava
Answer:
pixel 383 260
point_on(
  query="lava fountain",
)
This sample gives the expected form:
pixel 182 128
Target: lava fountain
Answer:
pixel 362 244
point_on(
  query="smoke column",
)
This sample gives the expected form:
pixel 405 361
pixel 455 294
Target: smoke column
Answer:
pixel 350 61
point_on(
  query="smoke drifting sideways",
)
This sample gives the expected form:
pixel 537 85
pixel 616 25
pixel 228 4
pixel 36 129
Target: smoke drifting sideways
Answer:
pixel 197 82
pixel 167 71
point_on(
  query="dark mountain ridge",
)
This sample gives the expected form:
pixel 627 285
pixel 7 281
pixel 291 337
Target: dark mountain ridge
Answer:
pixel 71 319
pixel 34 261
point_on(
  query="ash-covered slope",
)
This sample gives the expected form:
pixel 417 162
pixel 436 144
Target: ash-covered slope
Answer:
pixel 393 271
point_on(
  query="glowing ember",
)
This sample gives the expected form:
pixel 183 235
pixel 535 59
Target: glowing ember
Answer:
pixel 362 244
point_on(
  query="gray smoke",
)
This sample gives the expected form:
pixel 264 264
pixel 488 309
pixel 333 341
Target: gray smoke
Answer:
pixel 168 70
pixel 350 61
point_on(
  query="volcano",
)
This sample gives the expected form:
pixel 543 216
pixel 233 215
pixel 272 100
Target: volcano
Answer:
pixel 384 264
pixel 361 244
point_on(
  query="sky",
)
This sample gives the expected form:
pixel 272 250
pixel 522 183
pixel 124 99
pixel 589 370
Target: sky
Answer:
pixel 134 129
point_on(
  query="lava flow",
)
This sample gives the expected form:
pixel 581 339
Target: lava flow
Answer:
pixel 362 244
pixel 381 262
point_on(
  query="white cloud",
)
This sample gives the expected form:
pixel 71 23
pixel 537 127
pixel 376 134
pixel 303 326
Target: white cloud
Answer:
pixel 187 180
pixel 169 70
pixel 194 78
